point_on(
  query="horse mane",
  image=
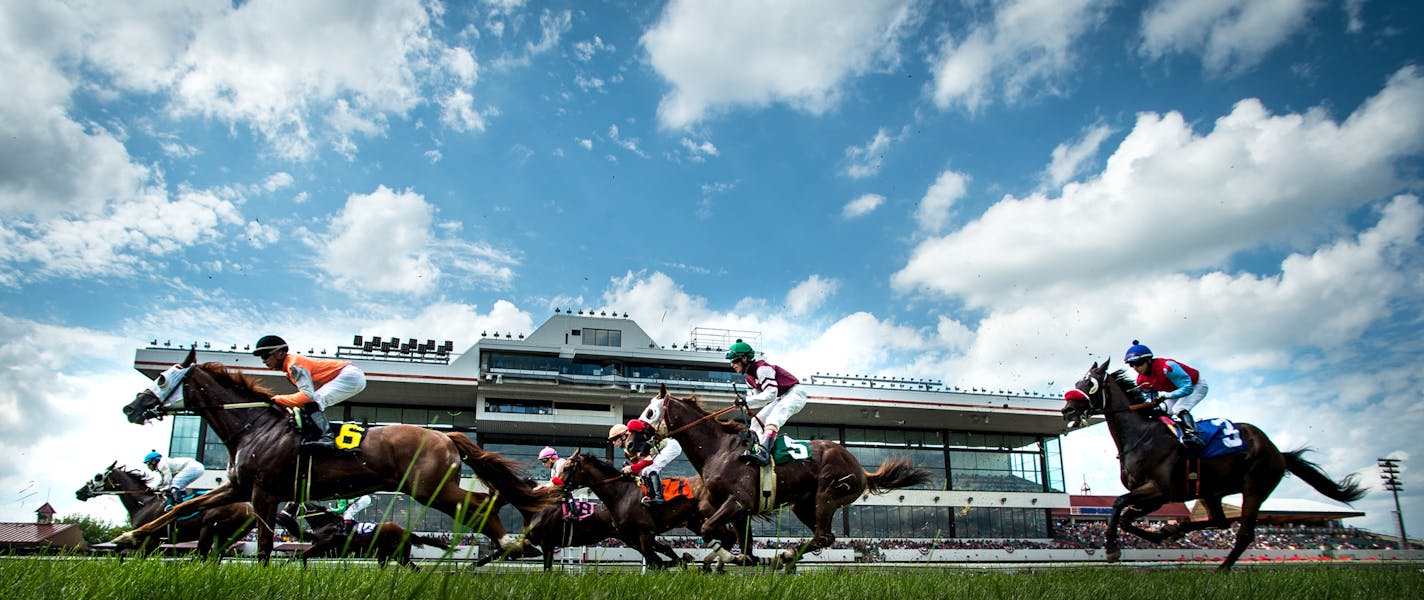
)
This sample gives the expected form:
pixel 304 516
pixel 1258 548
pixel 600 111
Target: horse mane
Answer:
pixel 598 463
pixel 241 381
pixel 136 474
pixel 731 426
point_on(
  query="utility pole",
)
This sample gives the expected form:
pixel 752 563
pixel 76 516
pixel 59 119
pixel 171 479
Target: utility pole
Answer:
pixel 1389 472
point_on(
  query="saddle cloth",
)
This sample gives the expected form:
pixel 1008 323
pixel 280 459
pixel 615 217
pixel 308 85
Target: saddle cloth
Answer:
pixel 577 510
pixel 1220 436
pixel 673 488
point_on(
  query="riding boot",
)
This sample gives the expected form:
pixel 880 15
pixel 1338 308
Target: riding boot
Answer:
pixel 756 454
pixel 1190 439
pixel 318 434
pixel 655 488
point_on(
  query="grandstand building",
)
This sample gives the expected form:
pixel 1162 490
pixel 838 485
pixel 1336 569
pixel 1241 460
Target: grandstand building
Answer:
pixel 994 455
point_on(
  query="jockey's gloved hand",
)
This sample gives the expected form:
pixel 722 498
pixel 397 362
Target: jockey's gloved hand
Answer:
pixel 1162 396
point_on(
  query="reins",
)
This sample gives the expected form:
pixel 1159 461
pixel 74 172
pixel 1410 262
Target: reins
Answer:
pixel 711 415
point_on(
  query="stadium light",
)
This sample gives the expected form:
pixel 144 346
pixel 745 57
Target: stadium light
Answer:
pixel 1389 472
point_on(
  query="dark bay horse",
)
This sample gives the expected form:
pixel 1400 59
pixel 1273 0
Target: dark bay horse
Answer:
pixel 268 469
pixel 815 488
pixel 381 541
pixel 636 524
pixel 1155 468
pixel 218 527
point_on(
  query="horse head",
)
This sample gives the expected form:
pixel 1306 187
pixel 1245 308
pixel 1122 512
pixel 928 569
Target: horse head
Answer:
pixel 101 483
pixel 162 397
pixel 1088 396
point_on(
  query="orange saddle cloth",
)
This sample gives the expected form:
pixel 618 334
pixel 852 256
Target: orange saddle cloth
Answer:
pixel 673 488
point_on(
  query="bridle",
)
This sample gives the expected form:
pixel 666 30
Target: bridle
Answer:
pixel 570 484
pixel 1096 388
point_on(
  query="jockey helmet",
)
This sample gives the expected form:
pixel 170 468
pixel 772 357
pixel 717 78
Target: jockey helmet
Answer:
pixel 637 425
pixel 152 456
pixel 740 348
pixel 1137 352
pixel 617 431
pixel 267 345
pixel 548 453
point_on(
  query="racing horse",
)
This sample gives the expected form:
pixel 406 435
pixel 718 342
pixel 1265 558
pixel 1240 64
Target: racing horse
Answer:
pixel 1155 469
pixel 268 469
pixel 815 488
pixel 379 540
pixel 223 525
pixel 636 524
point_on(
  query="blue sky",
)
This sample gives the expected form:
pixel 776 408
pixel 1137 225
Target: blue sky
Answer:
pixel 995 194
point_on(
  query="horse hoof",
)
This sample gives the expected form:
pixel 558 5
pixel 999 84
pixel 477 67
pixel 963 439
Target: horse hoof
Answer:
pixel 1114 555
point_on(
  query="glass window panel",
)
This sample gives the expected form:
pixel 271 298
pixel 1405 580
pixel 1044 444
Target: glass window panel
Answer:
pixel 387 415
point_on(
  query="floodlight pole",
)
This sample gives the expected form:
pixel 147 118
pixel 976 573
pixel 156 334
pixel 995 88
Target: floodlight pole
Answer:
pixel 1389 472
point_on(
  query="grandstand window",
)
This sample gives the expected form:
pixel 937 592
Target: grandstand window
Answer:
pixel 1018 523
pixel 522 407
pixel 931 460
pixel 813 432
pixel 603 337
pixel 995 471
pixel 1053 459
pixel 215 454
pixel 184 439
pixel 880 521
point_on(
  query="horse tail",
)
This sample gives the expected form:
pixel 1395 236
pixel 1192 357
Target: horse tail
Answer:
pixel 498 473
pixel 895 473
pixel 1346 490
pixel 416 539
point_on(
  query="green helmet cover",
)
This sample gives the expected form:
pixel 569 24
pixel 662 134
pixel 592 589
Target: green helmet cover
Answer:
pixel 739 348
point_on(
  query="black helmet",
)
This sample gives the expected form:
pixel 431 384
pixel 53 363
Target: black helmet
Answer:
pixel 267 345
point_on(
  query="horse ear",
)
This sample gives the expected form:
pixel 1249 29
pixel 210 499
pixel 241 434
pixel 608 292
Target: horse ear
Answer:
pixel 662 390
pixel 111 466
pixel 191 358
pixel 576 452
pixel 1105 363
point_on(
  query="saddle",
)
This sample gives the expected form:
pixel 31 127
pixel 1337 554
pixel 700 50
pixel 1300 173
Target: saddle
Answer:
pixel 348 436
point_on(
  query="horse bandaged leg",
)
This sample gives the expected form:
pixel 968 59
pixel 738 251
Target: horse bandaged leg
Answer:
pixel 768 489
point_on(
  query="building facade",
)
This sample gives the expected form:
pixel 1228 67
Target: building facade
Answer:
pixel 994 455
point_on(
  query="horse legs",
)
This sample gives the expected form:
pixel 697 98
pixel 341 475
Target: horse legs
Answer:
pixel 1217 520
pixel 1129 517
pixel 264 505
pixel 1250 504
pixel 1145 494
pixel 223 494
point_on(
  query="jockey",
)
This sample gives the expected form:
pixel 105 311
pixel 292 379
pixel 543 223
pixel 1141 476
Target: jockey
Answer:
pixel 1174 383
pixel 350 510
pixel 549 457
pixel 321 383
pixel 174 474
pixel 775 389
pixel 650 454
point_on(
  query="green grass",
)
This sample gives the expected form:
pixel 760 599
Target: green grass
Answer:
pixel 27 577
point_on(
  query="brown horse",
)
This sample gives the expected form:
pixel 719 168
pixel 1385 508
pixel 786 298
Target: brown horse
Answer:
pixel 268 469
pixel 1155 466
pixel 221 526
pixel 381 541
pixel 815 488
pixel 636 524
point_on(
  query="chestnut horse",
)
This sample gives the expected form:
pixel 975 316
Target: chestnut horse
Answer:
pixel 1155 466
pixel 268 469
pixel 637 524
pixel 223 525
pixel 379 540
pixel 814 488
